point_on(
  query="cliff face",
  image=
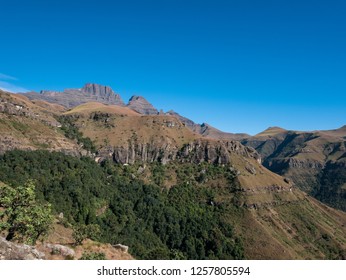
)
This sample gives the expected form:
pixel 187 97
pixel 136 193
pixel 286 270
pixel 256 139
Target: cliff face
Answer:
pixel 102 94
pixel 128 139
pixel 197 151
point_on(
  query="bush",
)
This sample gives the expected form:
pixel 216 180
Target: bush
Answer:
pixel 81 232
pixel 93 256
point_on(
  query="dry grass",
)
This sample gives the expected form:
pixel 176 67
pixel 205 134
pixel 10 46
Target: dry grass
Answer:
pixel 90 107
pixel 31 127
pixel 63 236
pixel 30 134
pixel 145 129
pixel 271 131
pixel 294 231
pixel 56 108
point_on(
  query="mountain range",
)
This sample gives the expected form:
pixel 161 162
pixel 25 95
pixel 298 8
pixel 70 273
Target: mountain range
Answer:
pixel 276 173
pixel 314 161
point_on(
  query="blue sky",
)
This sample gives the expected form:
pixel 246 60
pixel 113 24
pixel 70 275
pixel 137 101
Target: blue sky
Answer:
pixel 240 66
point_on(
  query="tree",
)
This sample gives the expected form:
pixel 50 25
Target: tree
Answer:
pixel 81 232
pixel 24 219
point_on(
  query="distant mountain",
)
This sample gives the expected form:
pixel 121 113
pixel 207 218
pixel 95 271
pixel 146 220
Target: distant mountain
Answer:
pixel 70 98
pixel 74 97
pixel 142 106
pixel 207 130
pixel 314 161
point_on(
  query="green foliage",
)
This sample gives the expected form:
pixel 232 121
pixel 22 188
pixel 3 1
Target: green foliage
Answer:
pixel 81 232
pixel 182 222
pixel 20 126
pixel 73 186
pixel 72 132
pixel 93 256
pixel 22 218
pixel 158 173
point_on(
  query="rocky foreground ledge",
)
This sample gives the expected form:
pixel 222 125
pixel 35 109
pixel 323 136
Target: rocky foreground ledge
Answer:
pixel 12 251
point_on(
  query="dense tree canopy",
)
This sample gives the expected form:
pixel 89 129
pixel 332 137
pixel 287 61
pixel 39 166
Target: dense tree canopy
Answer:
pixel 180 222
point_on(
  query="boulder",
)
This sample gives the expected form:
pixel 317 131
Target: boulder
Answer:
pixel 13 251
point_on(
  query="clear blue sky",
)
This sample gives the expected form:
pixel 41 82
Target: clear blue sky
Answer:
pixel 239 65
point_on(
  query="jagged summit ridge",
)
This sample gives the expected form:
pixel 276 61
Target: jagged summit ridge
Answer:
pixel 142 106
pixel 92 92
pixel 102 93
pixel 96 89
pixel 73 97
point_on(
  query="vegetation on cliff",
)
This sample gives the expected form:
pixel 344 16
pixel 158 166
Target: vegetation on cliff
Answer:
pixel 72 132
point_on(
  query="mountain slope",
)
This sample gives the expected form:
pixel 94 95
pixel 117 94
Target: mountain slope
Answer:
pixel 141 105
pixel 28 126
pixel 314 161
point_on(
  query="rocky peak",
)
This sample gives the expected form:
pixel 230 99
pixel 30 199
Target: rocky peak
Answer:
pixel 96 89
pixel 102 92
pixel 142 106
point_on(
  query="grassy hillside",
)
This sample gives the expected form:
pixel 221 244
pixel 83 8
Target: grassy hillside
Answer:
pixel 28 126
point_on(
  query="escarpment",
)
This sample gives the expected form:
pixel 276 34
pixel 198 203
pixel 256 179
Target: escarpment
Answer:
pixel 197 151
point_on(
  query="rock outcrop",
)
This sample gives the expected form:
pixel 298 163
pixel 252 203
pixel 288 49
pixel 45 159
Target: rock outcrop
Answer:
pixel 142 106
pixel 13 251
pixel 58 249
pixel 102 93
pixel 217 152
